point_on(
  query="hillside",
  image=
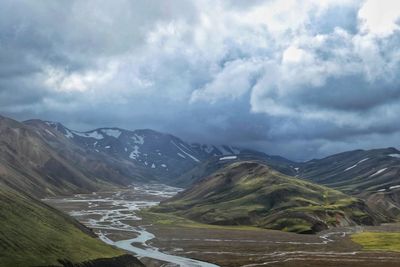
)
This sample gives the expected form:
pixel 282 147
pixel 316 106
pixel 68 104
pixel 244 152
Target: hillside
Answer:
pixel 373 175
pixel 215 163
pixel 251 193
pixel 356 171
pixel 28 163
pixel 34 234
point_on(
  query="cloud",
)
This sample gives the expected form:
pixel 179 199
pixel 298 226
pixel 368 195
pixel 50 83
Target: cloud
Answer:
pixel 380 17
pixel 297 78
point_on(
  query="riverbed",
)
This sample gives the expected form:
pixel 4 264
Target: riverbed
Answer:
pixel 113 215
pixel 117 219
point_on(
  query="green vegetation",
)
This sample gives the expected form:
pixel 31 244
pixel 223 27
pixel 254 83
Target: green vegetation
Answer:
pixel 168 219
pixel 384 241
pixel 34 234
pixel 252 194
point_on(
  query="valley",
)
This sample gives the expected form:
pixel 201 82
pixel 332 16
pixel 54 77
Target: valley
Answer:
pixel 169 202
pixel 122 218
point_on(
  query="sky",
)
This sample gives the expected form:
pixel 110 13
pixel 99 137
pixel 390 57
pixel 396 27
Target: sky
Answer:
pixel 301 79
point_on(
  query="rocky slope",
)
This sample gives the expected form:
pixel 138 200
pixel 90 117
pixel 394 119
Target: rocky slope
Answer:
pixel 251 193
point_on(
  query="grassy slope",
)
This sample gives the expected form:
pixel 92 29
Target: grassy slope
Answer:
pixel 32 234
pixel 386 241
pixel 249 193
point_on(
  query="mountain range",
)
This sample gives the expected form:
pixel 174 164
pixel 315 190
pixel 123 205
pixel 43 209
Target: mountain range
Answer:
pixel 223 184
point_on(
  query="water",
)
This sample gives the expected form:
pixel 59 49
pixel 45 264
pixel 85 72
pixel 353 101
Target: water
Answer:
pixel 105 213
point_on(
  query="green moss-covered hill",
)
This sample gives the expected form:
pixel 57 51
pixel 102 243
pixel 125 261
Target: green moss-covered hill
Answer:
pixel 250 193
pixel 34 234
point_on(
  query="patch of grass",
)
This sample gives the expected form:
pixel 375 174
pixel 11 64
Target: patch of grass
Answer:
pixel 294 225
pixel 168 219
pixel 34 234
pixel 386 241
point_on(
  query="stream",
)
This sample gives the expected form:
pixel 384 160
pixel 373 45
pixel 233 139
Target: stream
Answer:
pixel 106 213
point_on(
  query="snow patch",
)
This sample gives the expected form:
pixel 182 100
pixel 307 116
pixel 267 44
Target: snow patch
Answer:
pixel 163 165
pixel 394 187
pixel 228 158
pixel 394 155
pixel 138 139
pixel 355 165
pixel 153 166
pixel 180 155
pixel 112 132
pixel 93 134
pixel 187 154
pixel 135 153
pixel 378 172
pixel 68 134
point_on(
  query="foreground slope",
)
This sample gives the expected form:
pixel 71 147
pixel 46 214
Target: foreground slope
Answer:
pixel 34 234
pixel 251 193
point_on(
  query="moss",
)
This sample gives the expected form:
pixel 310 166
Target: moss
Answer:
pixel 295 225
pixel 168 219
pixel 378 240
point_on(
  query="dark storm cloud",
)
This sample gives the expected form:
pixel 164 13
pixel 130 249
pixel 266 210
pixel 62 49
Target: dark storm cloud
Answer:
pixel 297 78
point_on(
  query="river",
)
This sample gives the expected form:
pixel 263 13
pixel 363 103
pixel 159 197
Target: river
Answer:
pixel 109 212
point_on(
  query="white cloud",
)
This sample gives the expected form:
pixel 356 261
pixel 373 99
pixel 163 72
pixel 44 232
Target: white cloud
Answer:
pixel 62 81
pixel 380 17
pixel 235 79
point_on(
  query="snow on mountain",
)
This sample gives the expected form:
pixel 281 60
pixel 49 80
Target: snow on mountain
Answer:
pixel 149 149
pixel 94 134
pixel 112 132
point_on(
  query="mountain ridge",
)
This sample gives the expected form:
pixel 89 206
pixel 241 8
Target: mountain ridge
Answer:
pixel 252 193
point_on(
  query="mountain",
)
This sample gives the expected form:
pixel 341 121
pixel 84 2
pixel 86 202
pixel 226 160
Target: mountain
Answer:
pixel 251 193
pixel 215 163
pixel 373 175
pixel 157 154
pixel 95 163
pixel 34 234
pixel 42 162
pixel 28 163
pixel 356 171
pixel 46 158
